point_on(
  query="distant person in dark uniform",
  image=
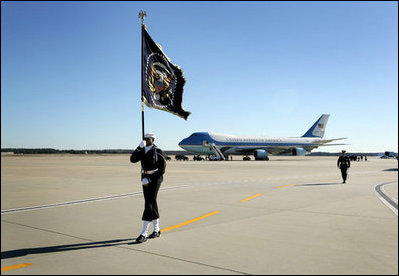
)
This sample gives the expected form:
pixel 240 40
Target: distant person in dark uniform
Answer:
pixel 152 169
pixel 344 164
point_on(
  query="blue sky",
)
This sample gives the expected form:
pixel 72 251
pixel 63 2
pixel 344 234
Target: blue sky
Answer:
pixel 70 71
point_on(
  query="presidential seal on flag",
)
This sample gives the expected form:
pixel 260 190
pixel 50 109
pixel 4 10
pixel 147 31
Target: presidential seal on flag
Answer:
pixel 163 81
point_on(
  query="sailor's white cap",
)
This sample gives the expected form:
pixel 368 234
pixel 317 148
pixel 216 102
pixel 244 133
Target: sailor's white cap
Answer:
pixel 149 135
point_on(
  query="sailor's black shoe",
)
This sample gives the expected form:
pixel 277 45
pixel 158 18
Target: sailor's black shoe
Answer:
pixel 155 235
pixel 141 239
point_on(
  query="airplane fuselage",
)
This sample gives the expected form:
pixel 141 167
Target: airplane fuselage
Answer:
pixel 238 145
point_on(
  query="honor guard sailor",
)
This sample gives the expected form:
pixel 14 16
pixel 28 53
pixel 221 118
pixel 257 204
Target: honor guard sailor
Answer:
pixel 152 169
pixel 344 164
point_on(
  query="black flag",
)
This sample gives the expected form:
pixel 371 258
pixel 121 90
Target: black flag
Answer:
pixel 162 81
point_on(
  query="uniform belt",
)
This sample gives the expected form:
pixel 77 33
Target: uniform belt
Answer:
pixel 149 172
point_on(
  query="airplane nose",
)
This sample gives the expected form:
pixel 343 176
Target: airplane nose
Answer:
pixel 182 142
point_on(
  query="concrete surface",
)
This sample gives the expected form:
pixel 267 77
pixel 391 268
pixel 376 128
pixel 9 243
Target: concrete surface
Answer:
pixel 301 220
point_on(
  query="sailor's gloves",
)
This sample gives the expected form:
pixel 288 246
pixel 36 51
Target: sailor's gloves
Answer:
pixel 142 144
pixel 145 181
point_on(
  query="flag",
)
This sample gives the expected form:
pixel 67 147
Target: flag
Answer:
pixel 162 81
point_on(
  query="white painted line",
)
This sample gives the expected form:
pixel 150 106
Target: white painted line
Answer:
pixel 390 202
pixel 392 198
pixel 67 203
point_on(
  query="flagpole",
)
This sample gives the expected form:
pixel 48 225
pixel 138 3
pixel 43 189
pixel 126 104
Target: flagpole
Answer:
pixel 142 14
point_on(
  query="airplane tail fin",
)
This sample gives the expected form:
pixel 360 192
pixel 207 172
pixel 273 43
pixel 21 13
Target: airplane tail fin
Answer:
pixel 318 128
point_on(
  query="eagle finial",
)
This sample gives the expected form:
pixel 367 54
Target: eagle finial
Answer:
pixel 142 14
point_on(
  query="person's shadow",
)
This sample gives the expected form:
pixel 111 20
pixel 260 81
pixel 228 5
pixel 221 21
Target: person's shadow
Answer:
pixel 318 184
pixel 66 247
pixel 391 170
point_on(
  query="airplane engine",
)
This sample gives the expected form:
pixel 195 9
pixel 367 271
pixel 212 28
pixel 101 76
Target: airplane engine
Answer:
pixel 260 155
pixel 298 151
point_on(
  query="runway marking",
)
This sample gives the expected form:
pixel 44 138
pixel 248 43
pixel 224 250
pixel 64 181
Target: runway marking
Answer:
pixel 282 186
pixel 81 201
pixel 7 268
pixel 189 221
pixel 390 202
pixel 249 198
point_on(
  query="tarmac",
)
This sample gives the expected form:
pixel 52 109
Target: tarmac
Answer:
pixel 80 214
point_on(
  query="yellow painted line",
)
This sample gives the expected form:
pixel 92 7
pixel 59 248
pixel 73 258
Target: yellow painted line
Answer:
pixel 189 221
pixel 285 186
pixel 249 198
pixel 15 267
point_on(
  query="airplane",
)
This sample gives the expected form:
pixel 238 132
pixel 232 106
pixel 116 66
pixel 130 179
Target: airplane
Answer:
pixel 222 145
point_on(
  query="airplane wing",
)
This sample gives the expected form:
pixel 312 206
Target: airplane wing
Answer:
pixel 325 141
pixel 324 145
pixel 282 149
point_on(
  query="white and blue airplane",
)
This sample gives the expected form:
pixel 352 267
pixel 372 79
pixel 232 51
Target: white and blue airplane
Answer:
pixel 260 147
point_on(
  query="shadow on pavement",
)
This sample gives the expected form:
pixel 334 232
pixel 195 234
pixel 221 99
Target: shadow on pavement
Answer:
pixel 391 170
pixel 319 184
pixel 59 248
